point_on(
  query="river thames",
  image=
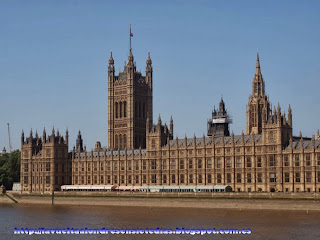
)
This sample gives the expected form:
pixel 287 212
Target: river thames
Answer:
pixel 264 224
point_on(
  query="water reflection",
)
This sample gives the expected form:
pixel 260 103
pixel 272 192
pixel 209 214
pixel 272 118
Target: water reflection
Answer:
pixel 266 224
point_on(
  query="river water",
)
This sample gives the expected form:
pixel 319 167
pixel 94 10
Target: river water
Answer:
pixel 264 224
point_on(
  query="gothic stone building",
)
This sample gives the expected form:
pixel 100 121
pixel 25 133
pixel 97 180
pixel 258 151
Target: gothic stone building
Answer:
pixel 267 158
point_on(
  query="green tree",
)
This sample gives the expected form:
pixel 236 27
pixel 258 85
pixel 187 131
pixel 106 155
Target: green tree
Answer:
pixel 10 169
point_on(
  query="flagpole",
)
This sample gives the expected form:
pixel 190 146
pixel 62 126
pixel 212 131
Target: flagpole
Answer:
pixel 130 37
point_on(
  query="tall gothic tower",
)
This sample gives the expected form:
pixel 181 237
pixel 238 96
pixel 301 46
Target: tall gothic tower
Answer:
pixel 129 101
pixel 258 106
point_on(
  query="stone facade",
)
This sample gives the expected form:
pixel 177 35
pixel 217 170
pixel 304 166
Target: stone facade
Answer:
pixel 45 162
pixel 267 158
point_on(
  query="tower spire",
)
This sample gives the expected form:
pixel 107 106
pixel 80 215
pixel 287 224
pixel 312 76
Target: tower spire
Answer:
pixel 258 63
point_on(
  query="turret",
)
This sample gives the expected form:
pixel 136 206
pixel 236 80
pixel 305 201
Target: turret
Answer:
pixel 22 137
pixel 159 124
pixel 111 68
pixel 67 137
pixel 149 71
pixel 279 114
pixel 44 135
pixel 290 116
pixel 222 110
pixel 171 126
pixel 79 142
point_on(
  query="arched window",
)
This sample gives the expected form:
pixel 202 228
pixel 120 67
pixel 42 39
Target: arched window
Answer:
pixel 116 110
pixel 124 140
pixel 116 141
pixel 124 109
pixel 120 109
pixel 120 141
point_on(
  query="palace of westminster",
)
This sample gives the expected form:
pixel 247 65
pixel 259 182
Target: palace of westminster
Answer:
pixel 268 158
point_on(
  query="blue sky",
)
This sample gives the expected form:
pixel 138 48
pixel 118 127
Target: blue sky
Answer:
pixel 53 61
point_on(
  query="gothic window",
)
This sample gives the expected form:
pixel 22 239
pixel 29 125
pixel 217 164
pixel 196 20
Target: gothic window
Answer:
pixel 125 109
pixel 153 144
pixel 173 178
pixel 181 164
pixel 144 165
pixel 124 140
pixel 228 162
pixel 101 179
pixel 297 161
pixel 115 166
pixel 120 109
pixel 272 161
pixel 297 177
pixel 249 177
pixel 116 110
pixel 286 160
pixel 238 162
pixel 248 162
pixel 164 165
pixel 122 179
pixel 122 165
pixel 173 164
pixel 254 116
pixel 218 163
pixel 209 178
pixel 228 177
pixel 218 178
pixel 308 177
pixel 164 178
pixel 259 178
pixel 271 137
pixel 136 110
pixel 272 177
pixel 191 178
pixel 120 141
pixel 199 178
pixel 190 164
pixel 259 163
pixel 259 88
pixel 199 163
pixel 47 180
pixel 209 163
pixel 154 179
pixel 153 165
pixel 238 177
pixel 116 141
pixel 181 178
pixel 308 159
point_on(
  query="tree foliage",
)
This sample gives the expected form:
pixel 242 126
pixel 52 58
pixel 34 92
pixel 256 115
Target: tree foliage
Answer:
pixel 10 169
